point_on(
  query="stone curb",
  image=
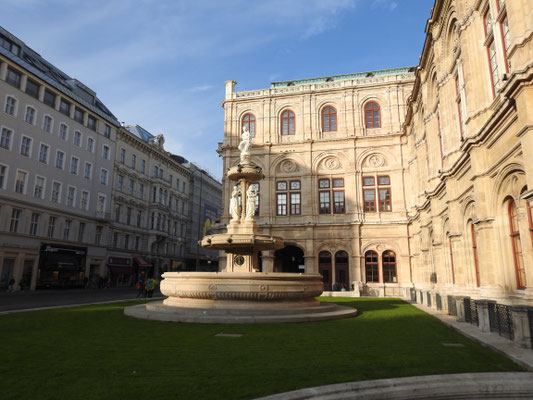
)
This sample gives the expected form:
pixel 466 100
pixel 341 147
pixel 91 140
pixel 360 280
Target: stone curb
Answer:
pixel 491 385
pixel 72 305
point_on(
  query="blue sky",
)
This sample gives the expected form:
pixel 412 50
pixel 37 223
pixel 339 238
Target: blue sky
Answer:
pixel 162 63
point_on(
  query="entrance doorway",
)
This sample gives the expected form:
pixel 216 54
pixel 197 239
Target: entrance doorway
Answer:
pixel 324 268
pixel 289 259
pixel 342 275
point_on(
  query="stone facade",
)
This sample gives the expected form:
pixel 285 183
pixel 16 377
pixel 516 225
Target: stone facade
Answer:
pixel 321 160
pixel 454 140
pixel 468 153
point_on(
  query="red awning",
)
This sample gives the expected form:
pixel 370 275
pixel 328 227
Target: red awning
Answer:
pixel 120 270
pixel 141 262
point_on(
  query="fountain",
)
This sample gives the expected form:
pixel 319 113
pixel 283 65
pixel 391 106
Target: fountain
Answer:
pixel 240 293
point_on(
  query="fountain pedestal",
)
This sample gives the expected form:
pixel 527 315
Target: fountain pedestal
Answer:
pixel 240 293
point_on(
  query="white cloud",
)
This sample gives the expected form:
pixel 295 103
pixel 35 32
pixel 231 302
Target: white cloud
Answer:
pixel 385 4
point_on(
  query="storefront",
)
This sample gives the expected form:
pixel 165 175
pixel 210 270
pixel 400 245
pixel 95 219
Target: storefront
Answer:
pixel 61 267
pixel 121 272
pixel 143 268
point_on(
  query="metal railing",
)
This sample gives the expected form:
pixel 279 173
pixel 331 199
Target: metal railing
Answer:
pixel 438 302
pixel 452 306
pixel 501 320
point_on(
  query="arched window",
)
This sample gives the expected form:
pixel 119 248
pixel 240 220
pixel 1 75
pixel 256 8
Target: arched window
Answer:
pixel 474 252
pixel 372 115
pixel 451 259
pixel 287 123
pixel 517 245
pixel 371 266
pixel 329 119
pixel 388 259
pixel 249 121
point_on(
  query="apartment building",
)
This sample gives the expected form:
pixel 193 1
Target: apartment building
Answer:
pixel 57 144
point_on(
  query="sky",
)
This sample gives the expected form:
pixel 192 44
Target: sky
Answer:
pixel 162 64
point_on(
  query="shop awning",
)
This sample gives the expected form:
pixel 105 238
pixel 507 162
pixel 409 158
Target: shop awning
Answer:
pixel 141 262
pixel 120 270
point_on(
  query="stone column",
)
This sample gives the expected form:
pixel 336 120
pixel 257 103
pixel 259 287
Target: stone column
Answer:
pixel 268 261
pixel 522 332
pixel 459 301
pixel 483 314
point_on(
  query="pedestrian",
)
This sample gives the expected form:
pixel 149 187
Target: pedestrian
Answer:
pixel 11 285
pixel 140 288
pixel 150 287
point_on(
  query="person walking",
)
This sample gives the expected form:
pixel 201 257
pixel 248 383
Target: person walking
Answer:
pixel 140 288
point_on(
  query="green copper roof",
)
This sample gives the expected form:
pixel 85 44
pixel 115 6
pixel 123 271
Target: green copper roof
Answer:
pixel 334 78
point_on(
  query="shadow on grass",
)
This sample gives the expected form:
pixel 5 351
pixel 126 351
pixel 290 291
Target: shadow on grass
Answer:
pixel 363 304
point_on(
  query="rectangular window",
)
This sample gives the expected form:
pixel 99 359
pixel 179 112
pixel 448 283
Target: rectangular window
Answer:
pixel 98 234
pixel 13 77
pixel 30 115
pixel 84 202
pixel 25 146
pixel 91 122
pixel 49 98
pixel 90 144
pixel 78 115
pixel 141 190
pixel 131 186
pixel 32 88
pixel 493 64
pixel 143 166
pixel 504 29
pixel 34 224
pixel 324 202
pixel 338 202
pixel 88 171
pixel 11 105
pixel 384 194
pixel 103 176
pixel 38 190
pixel 60 159
pixel 120 182
pixel 81 232
pixel 117 212
pixel 15 217
pixel 63 131
pixel 71 196
pixel 458 102
pixel 129 210
pixel 56 192
pixel 101 203
pixel 20 182
pixel 369 200
pixel 43 153
pixel 51 227
pixel 66 231
pixel 281 203
pixel 295 203
pixel 107 131
pixel 77 138
pixel 74 163
pixel 133 160
pixel 122 156
pixel 105 152
pixel 64 107
pixel 5 139
pixel 3 176
pixel 139 218
pixel 47 124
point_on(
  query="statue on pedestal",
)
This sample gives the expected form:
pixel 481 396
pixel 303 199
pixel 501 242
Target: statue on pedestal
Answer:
pixel 251 193
pixel 244 145
pixel 234 208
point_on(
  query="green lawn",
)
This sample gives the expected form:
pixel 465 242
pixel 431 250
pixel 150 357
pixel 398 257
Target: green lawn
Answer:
pixel 96 352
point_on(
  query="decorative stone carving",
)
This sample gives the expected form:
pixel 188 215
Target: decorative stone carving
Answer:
pixel 375 161
pixel 244 145
pixel 332 163
pixel 289 166
pixel 234 208
pixel 251 193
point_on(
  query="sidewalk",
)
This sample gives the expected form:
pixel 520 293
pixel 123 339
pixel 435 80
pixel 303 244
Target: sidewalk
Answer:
pixel 523 357
pixel 41 299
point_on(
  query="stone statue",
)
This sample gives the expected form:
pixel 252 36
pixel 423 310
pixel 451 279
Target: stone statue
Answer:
pixel 234 208
pixel 159 140
pixel 250 203
pixel 244 145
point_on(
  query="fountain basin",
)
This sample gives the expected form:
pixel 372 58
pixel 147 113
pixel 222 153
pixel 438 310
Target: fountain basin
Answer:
pixel 247 297
pixel 242 243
